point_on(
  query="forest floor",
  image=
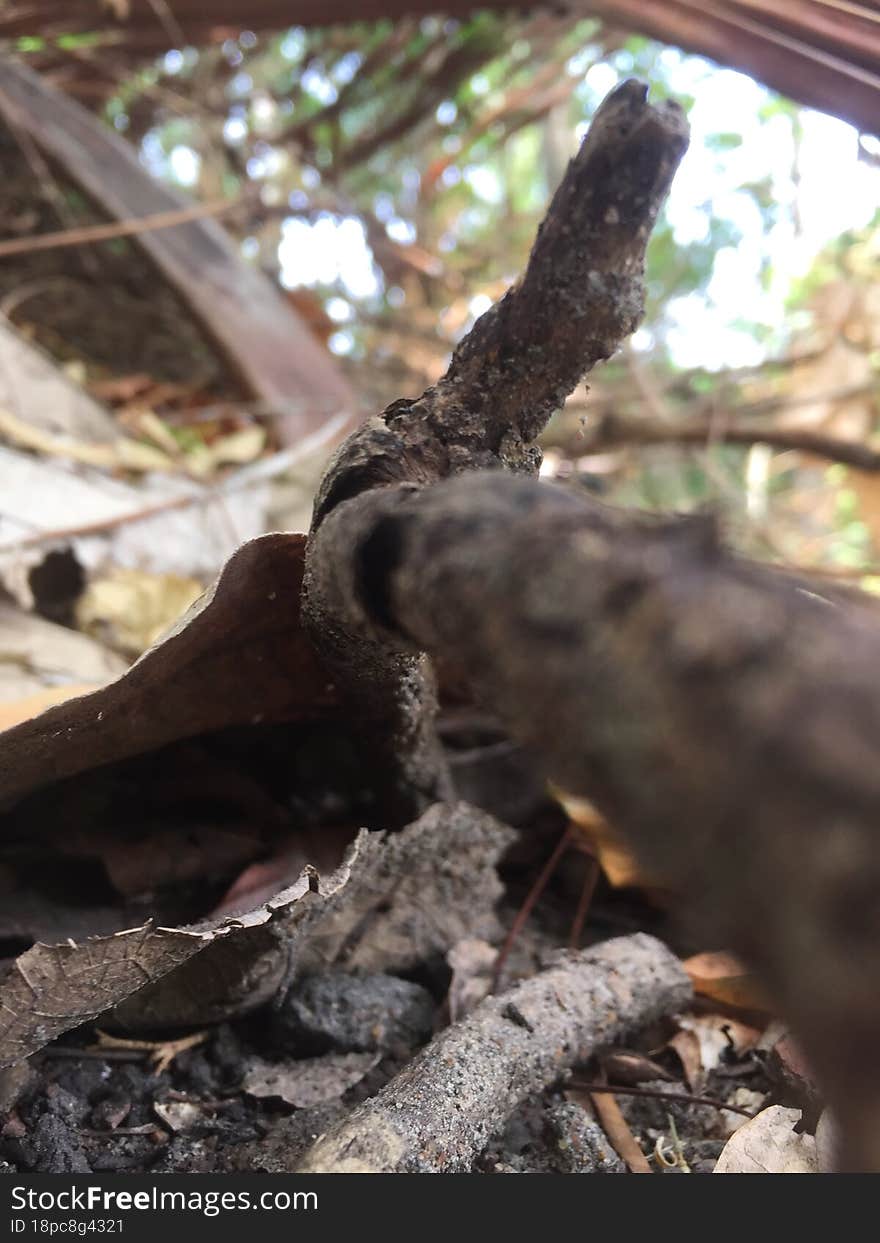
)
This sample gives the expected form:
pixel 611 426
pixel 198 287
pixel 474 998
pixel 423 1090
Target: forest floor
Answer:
pixel 255 1092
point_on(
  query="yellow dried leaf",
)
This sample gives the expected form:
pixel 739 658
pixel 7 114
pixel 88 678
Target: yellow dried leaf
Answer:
pixel 118 454
pixel 130 609
pixel 236 449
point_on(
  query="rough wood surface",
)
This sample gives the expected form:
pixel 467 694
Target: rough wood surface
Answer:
pixel 721 715
pixel 438 1114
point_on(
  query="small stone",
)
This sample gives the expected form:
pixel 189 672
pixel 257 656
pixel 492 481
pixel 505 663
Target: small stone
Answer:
pixel 337 1013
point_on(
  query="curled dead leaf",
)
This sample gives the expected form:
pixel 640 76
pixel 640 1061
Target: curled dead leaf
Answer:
pixel 237 657
pixel 52 988
pixel 769 1144
pixel 389 886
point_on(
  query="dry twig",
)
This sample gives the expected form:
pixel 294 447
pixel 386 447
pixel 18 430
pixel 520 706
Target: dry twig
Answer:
pixel 441 1110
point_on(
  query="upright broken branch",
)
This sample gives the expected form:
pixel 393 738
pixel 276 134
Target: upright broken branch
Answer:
pixel 581 294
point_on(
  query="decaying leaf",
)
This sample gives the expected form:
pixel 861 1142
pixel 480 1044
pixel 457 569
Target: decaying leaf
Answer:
pixel 238 657
pixel 769 1144
pixel 722 977
pixel 310 1081
pixel 687 1047
pixel 414 894
pixel 389 886
pixel 705 1040
pixel 178 1116
pixel 51 988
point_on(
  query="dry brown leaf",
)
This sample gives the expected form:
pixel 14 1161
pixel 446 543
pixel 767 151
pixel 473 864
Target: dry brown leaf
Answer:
pixel 322 846
pixel 687 1047
pixel 722 977
pixel 310 1081
pixel 238 657
pixel 389 887
pixel 51 988
pixel 768 1144
pixel 717 1037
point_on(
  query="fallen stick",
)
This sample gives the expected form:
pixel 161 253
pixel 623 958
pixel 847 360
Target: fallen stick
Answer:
pixel 438 1114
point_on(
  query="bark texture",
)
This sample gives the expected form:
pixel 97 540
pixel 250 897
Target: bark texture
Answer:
pixel 581 294
pixel 723 716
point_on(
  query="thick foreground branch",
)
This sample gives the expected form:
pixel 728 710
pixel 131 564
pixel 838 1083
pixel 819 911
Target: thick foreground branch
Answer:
pixel 723 717
pixel 581 295
pixel 439 1113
